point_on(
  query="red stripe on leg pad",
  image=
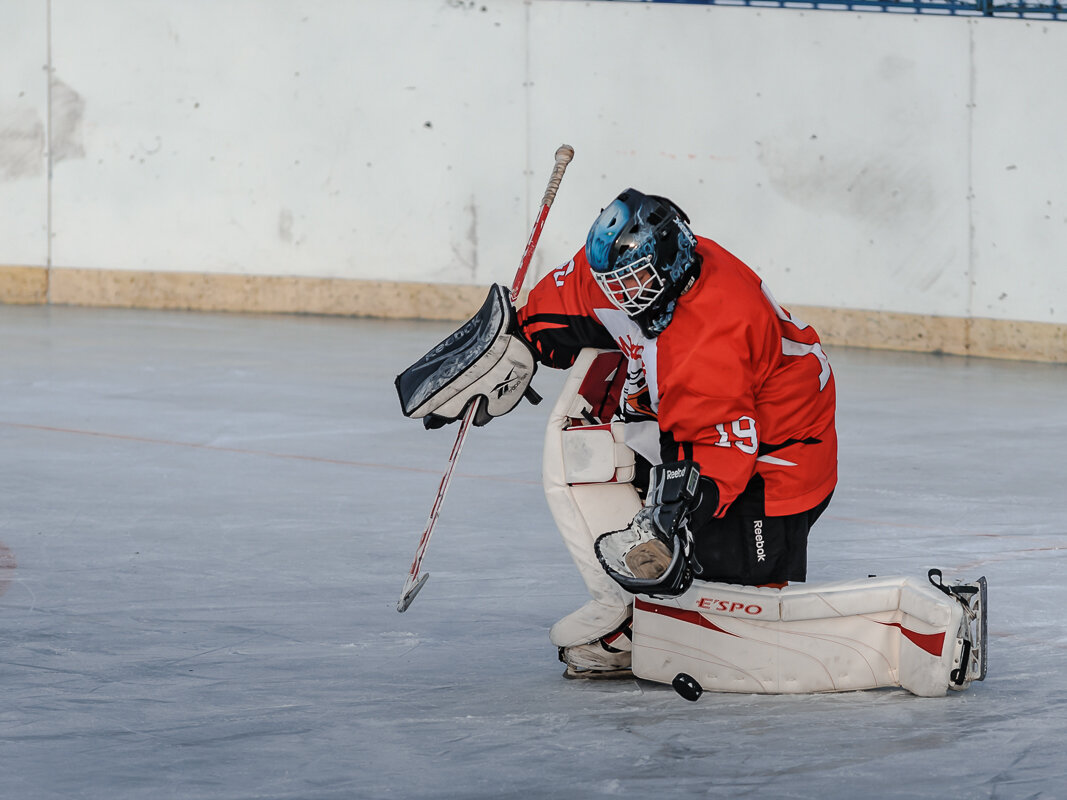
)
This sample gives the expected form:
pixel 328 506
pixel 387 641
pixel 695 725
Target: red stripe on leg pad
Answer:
pixel 932 643
pixel 692 617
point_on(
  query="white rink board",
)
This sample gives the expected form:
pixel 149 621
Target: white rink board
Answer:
pixel 812 145
pixel 857 160
pixel 1020 172
pixel 331 139
pixel 23 133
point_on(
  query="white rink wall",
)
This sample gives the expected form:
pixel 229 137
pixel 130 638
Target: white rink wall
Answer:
pixel 879 162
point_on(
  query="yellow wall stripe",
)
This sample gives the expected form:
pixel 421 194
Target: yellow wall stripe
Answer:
pixel 1010 339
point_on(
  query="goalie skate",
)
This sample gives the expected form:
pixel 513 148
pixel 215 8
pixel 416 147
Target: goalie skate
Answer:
pixel 606 657
pixel 970 663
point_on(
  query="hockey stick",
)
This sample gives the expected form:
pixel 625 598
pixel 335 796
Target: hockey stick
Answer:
pixel 414 581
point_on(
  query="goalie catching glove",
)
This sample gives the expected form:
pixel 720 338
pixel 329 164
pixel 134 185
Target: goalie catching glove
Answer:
pixel 652 555
pixel 483 362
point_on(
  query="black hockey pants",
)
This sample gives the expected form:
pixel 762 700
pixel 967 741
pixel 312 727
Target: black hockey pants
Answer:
pixel 748 547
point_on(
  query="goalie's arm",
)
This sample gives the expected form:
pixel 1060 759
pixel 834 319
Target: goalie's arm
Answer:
pixel 559 319
pixel 557 339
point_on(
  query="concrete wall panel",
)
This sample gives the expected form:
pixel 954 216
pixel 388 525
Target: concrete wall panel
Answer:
pixel 23 133
pixel 1020 171
pixel 813 145
pixel 336 139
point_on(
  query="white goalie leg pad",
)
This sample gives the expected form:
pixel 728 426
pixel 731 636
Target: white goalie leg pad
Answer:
pixel 832 637
pixel 586 473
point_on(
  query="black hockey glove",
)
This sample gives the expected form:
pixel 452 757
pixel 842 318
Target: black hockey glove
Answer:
pixel 651 556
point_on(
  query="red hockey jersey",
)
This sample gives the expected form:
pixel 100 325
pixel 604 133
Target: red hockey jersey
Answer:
pixel 734 379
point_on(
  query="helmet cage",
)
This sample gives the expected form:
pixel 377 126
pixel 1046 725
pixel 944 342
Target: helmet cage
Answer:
pixel 632 287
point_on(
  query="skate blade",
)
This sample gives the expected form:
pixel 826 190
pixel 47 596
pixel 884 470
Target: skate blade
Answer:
pixel 597 674
pixel 983 639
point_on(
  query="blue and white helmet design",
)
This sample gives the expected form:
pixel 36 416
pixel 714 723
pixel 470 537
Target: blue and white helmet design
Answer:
pixel 643 256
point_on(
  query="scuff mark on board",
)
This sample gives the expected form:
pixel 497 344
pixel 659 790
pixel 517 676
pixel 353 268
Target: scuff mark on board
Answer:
pixel 889 190
pixel 68 110
pixel 465 249
pixel 472 236
pixel 285 225
pixel 22 144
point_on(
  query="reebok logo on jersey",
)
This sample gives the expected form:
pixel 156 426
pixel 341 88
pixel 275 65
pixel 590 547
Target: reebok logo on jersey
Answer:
pixel 757 530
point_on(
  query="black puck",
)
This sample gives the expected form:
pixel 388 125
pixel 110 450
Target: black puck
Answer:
pixel 687 686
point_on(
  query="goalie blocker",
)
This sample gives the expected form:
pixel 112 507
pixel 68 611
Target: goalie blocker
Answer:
pixel 482 362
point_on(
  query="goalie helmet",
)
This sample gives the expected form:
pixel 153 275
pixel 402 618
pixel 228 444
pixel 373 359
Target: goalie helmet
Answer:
pixel 643 255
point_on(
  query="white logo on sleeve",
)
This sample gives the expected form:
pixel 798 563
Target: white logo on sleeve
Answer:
pixel 559 274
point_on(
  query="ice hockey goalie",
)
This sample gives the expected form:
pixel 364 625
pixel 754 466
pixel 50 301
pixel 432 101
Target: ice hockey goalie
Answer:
pixel 654 619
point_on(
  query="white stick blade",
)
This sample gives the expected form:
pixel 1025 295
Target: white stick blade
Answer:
pixel 410 590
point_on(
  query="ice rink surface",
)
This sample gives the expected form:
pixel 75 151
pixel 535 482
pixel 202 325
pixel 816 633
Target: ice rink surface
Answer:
pixel 208 519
